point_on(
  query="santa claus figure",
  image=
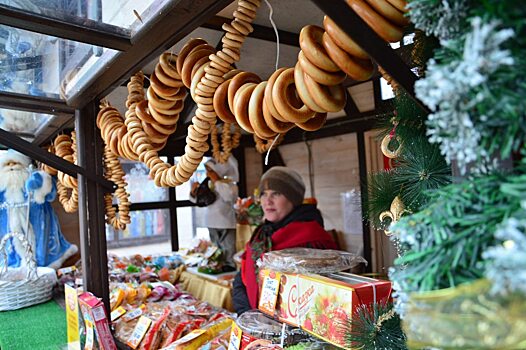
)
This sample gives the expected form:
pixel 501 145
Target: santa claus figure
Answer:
pixel 20 188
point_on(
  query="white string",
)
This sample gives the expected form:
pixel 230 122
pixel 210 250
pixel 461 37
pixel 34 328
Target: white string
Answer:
pixel 282 335
pixel 270 148
pixel 275 31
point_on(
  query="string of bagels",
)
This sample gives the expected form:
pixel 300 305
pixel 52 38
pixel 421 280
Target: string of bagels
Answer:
pixel 300 96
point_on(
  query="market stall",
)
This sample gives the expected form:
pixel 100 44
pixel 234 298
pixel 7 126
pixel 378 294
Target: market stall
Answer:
pixel 447 188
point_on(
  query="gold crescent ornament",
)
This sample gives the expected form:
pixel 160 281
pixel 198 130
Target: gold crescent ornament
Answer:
pixel 385 147
pixel 394 213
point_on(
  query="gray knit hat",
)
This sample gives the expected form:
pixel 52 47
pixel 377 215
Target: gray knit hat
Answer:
pixel 286 181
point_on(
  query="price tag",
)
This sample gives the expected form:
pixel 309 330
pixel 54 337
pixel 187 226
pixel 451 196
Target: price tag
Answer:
pixel 269 292
pixel 89 336
pixel 190 336
pixel 118 312
pixel 65 270
pixel 139 331
pixel 235 337
pixel 132 315
pixel 210 251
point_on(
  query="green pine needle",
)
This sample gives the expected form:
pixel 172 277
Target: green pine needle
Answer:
pixel 374 326
pixel 382 190
pixel 421 168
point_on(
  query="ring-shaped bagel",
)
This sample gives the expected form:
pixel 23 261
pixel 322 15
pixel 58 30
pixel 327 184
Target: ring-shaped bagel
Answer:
pixel 141 110
pixel 342 39
pixel 191 60
pixel 153 135
pixel 314 123
pixel 164 119
pixel 302 90
pixel 221 103
pixel 356 68
pixel 389 12
pixel 196 79
pixel 389 32
pixel 329 98
pixel 164 129
pixel 237 81
pixel 255 113
pixel 241 101
pixel 268 95
pixel 189 46
pixel 168 63
pixel 273 123
pixel 318 74
pixel 198 64
pixel 282 102
pixel 401 5
pixel 311 44
pixel 157 101
pixel 162 89
pixel 165 78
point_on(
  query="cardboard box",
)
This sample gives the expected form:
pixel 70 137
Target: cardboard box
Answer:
pixel 327 303
pixel 93 311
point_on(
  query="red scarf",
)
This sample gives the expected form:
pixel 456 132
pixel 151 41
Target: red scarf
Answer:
pixel 296 234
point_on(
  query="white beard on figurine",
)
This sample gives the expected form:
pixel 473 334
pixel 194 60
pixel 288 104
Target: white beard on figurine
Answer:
pixel 17 185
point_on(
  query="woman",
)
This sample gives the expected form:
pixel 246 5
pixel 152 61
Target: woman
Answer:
pixel 288 224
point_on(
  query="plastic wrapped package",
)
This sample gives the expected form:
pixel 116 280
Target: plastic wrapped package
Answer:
pixel 465 317
pixel 308 260
pixel 257 326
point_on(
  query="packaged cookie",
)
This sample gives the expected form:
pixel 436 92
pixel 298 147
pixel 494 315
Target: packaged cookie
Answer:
pixel 308 260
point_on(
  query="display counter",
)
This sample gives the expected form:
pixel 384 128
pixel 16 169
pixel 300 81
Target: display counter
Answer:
pixel 214 289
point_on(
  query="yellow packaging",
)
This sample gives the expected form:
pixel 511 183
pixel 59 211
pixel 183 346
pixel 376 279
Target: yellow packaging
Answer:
pixel 72 317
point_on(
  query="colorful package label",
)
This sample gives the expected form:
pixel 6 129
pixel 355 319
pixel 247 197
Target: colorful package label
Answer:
pixel 133 314
pixel 269 292
pixel 139 332
pixel 117 313
pixel 72 317
pixel 235 337
pixel 90 336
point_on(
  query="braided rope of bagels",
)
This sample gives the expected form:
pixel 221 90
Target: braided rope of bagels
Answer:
pixel 206 78
pixel 229 141
pixel 48 169
pixel 65 148
pixel 114 172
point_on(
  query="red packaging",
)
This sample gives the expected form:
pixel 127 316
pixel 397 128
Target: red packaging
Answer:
pixel 93 310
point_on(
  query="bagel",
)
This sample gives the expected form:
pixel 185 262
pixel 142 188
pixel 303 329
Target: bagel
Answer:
pixel 301 88
pixel 196 79
pixel 255 113
pixel 220 103
pixel 198 64
pixel 342 39
pixel 356 68
pixel 380 25
pixel 314 123
pixel 164 78
pixel 165 129
pixel 391 13
pixel 268 95
pixel 318 74
pixel 241 101
pixel 190 61
pixel 282 102
pixel 156 101
pixel 168 62
pixel 401 5
pixel 189 46
pixel 166 119
pixel 329 98
pixel 311 44
pixel 237 81
pixel 273 123
pixel 142 112
pixel 162 89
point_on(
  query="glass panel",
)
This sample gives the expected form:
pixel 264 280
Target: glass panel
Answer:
pixel 190 225
pixel 126 14
pixel 42 65
pixel 146 224
pixel 24 124
pixel 140 187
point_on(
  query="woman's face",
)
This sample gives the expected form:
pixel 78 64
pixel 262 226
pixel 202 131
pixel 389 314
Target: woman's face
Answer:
pixel 275 205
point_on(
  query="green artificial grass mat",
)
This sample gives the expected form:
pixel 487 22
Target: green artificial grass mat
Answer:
pixel 38 327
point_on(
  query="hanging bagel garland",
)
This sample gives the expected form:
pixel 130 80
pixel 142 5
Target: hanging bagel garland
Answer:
pixel 65 148
pixel 114 172
pixel 48 169
pixel 301 97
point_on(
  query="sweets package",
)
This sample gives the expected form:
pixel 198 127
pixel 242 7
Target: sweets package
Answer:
pixel 93 312
pixel 308 260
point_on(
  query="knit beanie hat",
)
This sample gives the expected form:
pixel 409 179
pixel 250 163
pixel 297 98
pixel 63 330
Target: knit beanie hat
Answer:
pixel 286 181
